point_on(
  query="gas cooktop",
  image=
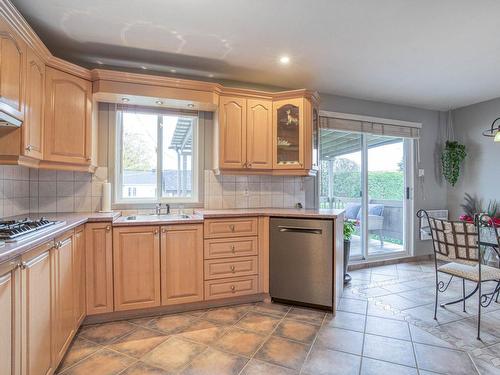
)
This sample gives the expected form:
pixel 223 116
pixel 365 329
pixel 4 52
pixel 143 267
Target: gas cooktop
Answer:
pixel 16 230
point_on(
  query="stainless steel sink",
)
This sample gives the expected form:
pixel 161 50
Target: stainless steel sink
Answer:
pixel 154 217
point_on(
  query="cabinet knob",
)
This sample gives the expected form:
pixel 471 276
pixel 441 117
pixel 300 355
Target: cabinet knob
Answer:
pixel 108 228
pixel 89 159
pixel 22 265
pixel 232 269
pixel 29 148
pixel 231 227
pixel 155 232
pixel 233 288
pixel 249 165
pixel 244 164
pixel 164 230
pixel 232 248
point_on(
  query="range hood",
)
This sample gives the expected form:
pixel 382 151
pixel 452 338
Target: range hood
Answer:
pixel 9 121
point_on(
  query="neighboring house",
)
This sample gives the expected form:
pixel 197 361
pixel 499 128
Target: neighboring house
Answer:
pixel 143 183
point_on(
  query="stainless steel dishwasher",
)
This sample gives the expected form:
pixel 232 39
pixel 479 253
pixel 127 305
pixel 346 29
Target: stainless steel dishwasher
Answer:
pixel 301 261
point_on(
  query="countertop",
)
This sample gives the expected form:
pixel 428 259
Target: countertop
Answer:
pixel 11 250
pixel 273 212
pixel 71 220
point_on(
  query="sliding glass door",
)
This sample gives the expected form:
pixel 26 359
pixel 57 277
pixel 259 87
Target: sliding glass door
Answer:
pixel 370 177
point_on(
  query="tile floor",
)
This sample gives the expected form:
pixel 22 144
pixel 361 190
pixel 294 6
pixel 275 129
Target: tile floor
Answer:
pixel 383 325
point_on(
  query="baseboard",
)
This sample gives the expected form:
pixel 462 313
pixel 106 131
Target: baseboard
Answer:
pixel 161 310
pixel 376 263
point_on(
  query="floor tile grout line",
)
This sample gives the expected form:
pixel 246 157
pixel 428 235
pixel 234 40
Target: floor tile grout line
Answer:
pixel 363 343
pixel 312 345
pixel 413 348
pixel 265 340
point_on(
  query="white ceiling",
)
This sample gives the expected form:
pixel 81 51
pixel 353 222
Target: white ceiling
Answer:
pixel 426 53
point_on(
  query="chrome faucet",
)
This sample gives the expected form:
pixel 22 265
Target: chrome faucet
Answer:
pixel 168 208
pixel 158 209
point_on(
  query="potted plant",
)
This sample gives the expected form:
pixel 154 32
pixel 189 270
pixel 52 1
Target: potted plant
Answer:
pixel 451 160
pixel 349 229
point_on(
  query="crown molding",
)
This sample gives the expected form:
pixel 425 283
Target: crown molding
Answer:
pixel 19 24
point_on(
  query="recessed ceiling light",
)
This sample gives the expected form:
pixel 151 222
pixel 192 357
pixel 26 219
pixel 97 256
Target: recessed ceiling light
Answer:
pixel 284 60
pixel 144 67
pixel 210 76
pixel 173 70
pixel 99 62
pixel 159 102
pixel 125 100
pixel 190 105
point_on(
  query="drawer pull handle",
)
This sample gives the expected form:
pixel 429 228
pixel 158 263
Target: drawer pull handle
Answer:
pixel 232 268
pixel 231 227
pixel 232 248
pixel 233 289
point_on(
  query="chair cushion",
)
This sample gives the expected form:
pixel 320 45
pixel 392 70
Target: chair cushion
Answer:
pixel 374 209
pixel 352 210
pixel 470 272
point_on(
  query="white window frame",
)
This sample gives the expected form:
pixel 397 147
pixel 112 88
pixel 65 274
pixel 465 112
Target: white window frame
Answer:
pixel 197 158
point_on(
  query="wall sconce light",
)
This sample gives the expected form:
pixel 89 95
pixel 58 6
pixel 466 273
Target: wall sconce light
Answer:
pixel 494 131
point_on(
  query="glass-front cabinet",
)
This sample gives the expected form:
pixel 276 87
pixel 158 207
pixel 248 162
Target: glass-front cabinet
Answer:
pixel 295 137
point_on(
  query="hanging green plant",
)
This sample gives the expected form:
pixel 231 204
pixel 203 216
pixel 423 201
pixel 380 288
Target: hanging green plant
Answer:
pixel 451 160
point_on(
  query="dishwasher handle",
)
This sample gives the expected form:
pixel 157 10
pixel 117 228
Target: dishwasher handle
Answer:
pixel 283 228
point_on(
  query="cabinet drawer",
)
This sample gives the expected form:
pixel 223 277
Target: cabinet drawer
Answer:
pixel 233 287
pixel 232 247
pixel 220 268
pixel 217 228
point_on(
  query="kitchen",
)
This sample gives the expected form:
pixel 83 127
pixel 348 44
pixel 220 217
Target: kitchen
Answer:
pixel 161 215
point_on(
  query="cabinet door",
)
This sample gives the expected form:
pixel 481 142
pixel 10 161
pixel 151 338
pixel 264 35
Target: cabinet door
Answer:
pixel 79 274
pixel 182 263
pixel 35 94
pixel 6 323
pixel 232 132
pixel 99 268
pixel 259 134
pixel 36 325
pixel 64 302
pixel 288 134
pixel 67 118
pixel 136 265
pixel 12 72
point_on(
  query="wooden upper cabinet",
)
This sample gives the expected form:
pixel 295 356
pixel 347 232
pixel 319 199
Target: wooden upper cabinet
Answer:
pixel 37 311
pixel 64 323
pixel 181 263
pixel 259 134
pixel 34 109
pixel 12 72
pixel 79 274
pixel 99 268
pixel 68 110
pixel 136 265
pixel 288 134
pixel 232 132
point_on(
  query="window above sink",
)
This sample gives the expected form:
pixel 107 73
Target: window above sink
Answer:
pixel 156 156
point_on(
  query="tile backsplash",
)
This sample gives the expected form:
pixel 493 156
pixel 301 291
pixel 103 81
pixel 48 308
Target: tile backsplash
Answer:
pixel 24 190
pixel 254 191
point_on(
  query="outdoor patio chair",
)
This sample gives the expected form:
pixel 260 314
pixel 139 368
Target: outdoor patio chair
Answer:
pixel 459 252
pixel 375 217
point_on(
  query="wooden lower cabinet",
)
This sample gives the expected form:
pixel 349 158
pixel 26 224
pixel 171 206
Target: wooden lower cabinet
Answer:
pixel 181 263
pixel 9 319
pixel 136 265
pixel 99 268
pixel 37 291
pixel 64 324
pixel 79 274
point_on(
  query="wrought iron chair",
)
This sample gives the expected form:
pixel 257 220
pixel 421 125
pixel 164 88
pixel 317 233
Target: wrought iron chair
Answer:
pixel 460 253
